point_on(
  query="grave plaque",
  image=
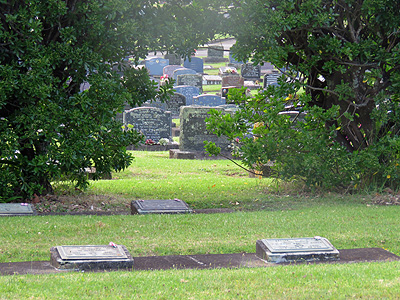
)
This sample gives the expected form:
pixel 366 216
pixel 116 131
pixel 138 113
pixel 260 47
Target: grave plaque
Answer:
pixel 296 249
pixel 194 63
pixel 16 209
pixel 153 122
pixel 91 257
pixel 192 80
pixel 174 206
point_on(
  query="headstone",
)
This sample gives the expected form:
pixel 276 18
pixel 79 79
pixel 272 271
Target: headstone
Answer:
pixel 251 72
pixel 232 80
pixel 194 132
pixel 232 60
pixel 173 58
pixel 215 53
pixel 169 70
pixel 208 100
pixel 153 122
pixel 175 103
pixel 192 80
pixel 91 257
pixel 194 63
pixel 182 71
pixel 155 65
pixel 188 91
pixel 271 79
pixel 16 209
pixel 173 206
pixel 296 249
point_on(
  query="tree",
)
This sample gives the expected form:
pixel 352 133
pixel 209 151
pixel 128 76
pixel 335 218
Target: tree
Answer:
pixel 48 48
pixel 340 61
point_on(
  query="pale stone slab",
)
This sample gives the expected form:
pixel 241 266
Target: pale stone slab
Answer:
pixel 296 249
pixel 174 206
pixel 91 257
pixel 16 209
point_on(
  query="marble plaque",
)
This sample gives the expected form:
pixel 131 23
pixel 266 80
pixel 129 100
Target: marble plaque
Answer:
pixel 171 206
pixel 16 209
pixel 296 249
pixel 91 252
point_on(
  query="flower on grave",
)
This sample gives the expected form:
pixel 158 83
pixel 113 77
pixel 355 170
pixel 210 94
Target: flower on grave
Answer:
pixel 163 141
pixel 230 71
pixel 149 142
pixel 112 245
pixel 164 79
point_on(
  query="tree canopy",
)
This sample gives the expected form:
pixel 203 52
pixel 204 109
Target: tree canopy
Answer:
pixel 49 128
pixel 340 62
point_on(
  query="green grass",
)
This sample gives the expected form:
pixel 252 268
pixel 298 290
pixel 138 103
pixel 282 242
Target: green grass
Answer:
pixel 360 281
pixel 348 221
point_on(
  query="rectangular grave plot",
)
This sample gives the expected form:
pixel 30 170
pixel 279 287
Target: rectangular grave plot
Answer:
pixel 296 250
pixel 91 257
pixel 174 206
pixel 16 209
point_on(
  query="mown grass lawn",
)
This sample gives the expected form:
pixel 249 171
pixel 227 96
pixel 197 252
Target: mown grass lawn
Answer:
pixel 263 209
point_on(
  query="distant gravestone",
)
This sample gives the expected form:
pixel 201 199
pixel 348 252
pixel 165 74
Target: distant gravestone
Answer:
pixel 91 257
pixel 156 65
pixel 174 206
pixel 153 122
pixel 175 103
pixel 232 80
pixel 215 54
pixel 169 70
pixel 182 71
pixel 271 79
pixel 188 91
pixel 194 63
pixel 208 100
pixel 251 72
pixel 296 249
pixel 173 58
pixel 212 79
pixel 192 80
pixel 194 132
pixel 16 209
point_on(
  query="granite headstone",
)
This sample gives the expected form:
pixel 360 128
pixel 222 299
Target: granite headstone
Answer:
pixel 194 63
pixel 251 72
pixel 153 122
pixel 156 65
pixel 192 80
pixel 188 91
pixel 182 71
pixel 208 100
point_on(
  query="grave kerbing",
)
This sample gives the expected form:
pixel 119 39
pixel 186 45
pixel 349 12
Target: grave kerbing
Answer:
pixel 296 250
pixel 91 257
pixel 16 209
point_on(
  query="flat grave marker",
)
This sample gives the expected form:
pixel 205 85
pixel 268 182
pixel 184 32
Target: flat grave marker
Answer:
pixel 296 249
pixel 91 257
pixel 16 209
pixel 170 206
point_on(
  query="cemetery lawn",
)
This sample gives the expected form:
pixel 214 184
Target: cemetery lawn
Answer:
pixel 261 210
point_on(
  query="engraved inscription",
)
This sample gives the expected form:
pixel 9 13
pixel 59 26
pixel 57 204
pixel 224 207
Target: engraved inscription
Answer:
pixel 297 245
pixel 91 252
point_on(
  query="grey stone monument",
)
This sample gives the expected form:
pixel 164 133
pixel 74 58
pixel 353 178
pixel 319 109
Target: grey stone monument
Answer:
pixel 170 206
pixel 16 209
pixel 194 132
pixel 251 72
pixel 91 257
pixel 153 122
pixel 194 63
pixel 191 80
pixel 173 58
pixel 296 250
pixel 188 91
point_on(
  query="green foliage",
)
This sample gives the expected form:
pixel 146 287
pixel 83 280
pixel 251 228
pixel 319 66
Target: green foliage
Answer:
pixel 49 129
pixel 344 56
